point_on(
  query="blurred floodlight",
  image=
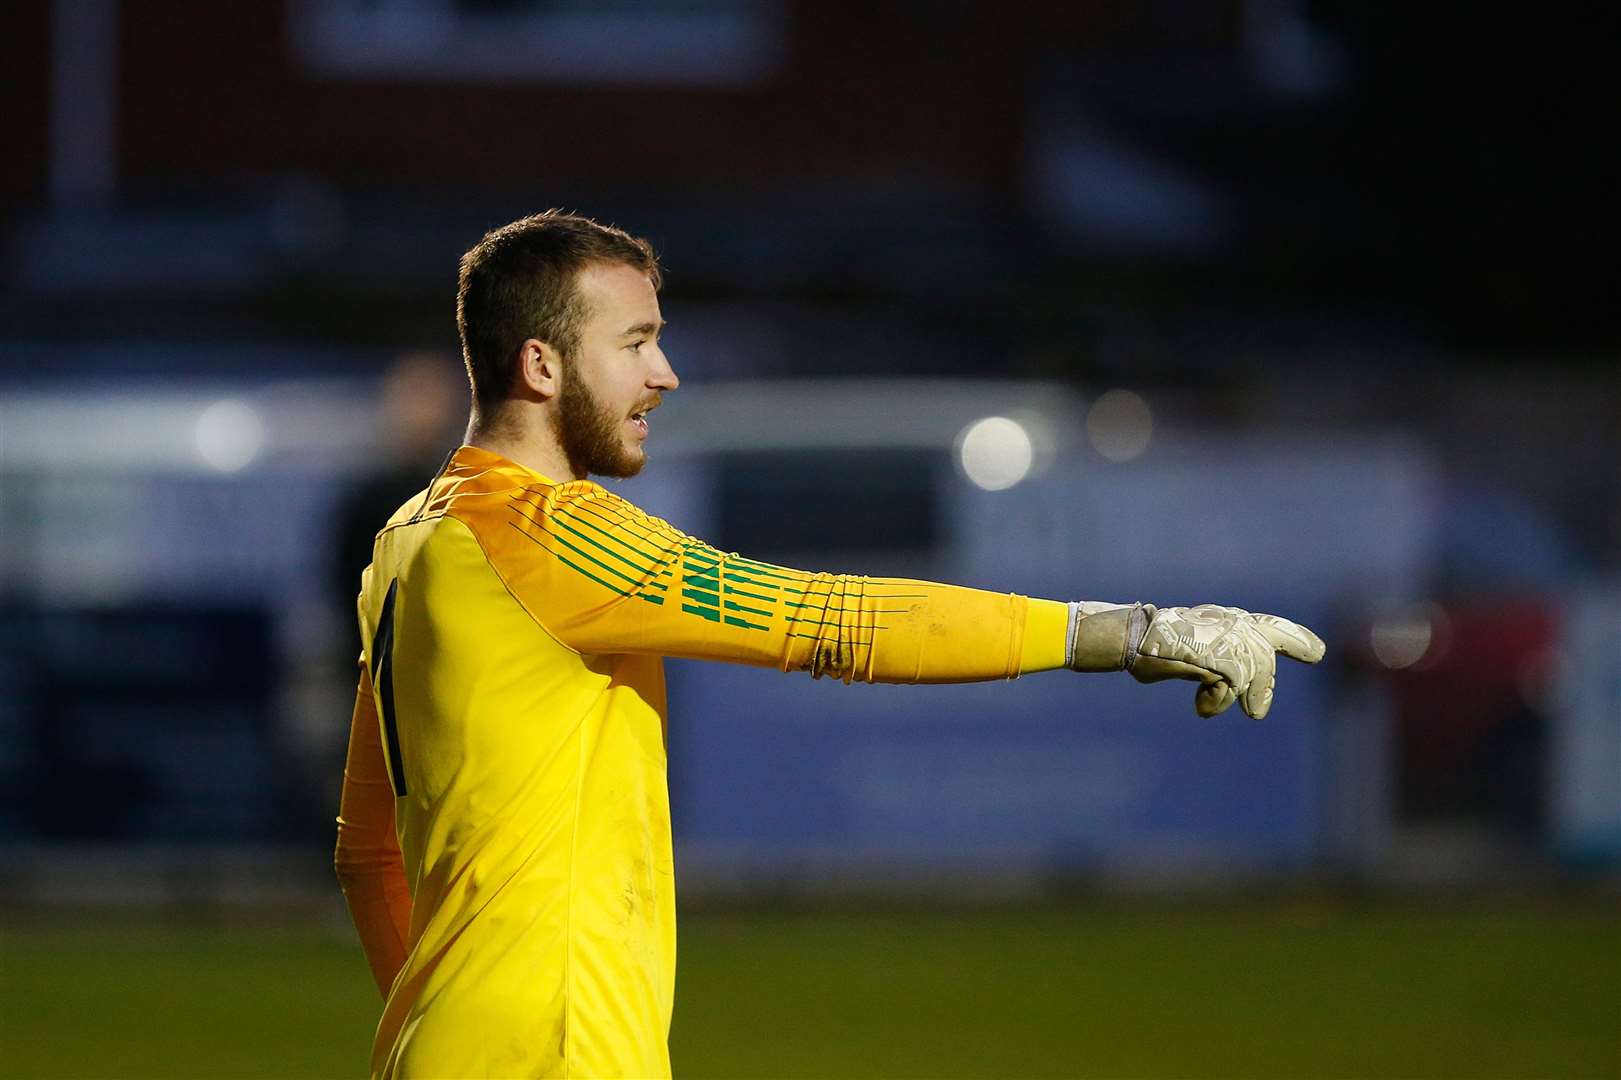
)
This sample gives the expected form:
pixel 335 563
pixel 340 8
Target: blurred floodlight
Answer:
pixel 230 434
pixel 995 452
pixel 1120 425
pixel 1402 636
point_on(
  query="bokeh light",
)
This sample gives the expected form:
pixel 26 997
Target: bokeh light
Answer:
pixel 995 453
pixel 1120 425
pixel 230 435
pixel 1404 635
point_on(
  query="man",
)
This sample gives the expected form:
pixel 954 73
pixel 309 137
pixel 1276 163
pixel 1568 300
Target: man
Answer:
pixel 504 837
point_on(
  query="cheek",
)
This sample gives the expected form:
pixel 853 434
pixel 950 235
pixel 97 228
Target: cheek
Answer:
pixel 633 387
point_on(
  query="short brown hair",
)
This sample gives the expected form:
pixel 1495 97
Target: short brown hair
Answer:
pixel 519 282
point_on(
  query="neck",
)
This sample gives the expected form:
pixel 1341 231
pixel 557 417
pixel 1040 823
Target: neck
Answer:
pixel 529 441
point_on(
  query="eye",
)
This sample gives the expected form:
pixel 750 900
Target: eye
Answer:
pixel 636 346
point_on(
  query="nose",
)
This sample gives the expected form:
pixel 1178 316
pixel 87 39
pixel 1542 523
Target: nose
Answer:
pixel 663 376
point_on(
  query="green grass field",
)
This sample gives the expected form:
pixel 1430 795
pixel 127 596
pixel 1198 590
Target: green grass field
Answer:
pixel 1272 990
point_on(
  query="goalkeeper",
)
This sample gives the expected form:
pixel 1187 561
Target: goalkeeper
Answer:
pixel 504 832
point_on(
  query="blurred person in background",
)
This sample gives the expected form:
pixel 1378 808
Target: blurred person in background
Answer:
pixel 504 836
pixel 419 415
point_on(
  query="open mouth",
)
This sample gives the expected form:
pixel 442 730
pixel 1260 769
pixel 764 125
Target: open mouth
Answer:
pixel 638 419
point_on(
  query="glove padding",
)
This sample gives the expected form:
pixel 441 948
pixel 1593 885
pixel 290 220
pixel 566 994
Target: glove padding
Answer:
pixel 1231 652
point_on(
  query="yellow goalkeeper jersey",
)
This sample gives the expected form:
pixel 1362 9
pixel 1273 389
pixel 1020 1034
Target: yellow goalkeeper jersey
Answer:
pixel 513 697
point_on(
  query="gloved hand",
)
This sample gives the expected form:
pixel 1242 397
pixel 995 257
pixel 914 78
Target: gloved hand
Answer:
pixel 1231 652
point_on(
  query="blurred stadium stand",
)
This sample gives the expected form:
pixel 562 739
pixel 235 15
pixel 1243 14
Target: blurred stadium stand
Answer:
pixel 1355 297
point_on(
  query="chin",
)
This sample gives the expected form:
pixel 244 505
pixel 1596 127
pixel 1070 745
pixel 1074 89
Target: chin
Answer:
pixel 624 468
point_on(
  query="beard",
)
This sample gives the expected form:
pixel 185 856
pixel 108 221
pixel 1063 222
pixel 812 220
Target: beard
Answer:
pixel 590 434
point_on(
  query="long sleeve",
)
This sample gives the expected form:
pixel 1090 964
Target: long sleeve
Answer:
pixel 367 858
pixel 602 576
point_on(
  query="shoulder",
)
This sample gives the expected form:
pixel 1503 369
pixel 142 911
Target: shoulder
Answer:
pixel 510 509
pixel 539 510
pixel 471 482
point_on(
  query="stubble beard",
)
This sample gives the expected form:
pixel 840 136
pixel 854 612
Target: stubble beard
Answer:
pixel 590 434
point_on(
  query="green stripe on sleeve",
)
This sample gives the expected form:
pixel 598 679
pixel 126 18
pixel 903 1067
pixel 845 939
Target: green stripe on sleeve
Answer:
pixel 646 571
pixel 709 613
pixel 577 569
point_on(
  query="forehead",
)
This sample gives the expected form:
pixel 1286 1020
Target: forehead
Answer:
pixel 616 291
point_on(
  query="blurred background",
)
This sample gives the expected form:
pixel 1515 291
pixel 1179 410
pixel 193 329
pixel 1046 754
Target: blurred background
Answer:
pixel 1307 307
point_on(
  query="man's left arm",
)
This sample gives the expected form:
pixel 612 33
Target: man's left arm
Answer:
pixel 603 577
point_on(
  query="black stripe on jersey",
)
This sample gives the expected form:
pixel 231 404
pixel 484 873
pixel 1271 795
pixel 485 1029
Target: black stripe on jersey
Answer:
pixel 383 677
pixel 427 495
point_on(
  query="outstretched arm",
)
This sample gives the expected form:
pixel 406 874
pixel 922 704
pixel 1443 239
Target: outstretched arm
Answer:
pixel 602 576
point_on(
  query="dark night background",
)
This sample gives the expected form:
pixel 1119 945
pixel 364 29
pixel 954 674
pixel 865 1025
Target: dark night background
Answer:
pixel 1305 306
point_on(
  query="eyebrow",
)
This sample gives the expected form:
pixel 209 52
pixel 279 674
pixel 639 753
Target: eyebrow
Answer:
pixel 644 328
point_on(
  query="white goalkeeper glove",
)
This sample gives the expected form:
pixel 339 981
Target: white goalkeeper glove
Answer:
pixel 1230 652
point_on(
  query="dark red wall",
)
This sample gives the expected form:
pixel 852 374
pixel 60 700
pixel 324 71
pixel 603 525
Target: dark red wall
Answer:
pixel 214 92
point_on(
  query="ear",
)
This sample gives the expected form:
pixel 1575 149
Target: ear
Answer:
pixel 540 370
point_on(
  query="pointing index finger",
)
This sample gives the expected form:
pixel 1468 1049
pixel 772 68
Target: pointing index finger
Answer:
pixel 1290 638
